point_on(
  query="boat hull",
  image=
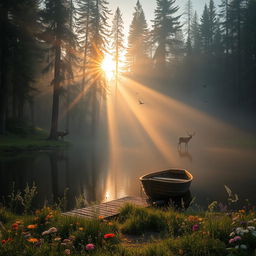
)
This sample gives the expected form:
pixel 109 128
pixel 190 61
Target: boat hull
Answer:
pixel 164 188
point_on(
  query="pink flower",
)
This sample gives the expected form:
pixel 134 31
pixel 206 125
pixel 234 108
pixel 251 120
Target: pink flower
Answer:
pixel 237 238
pixel 90 247
pixel 232 240
pixel 195 227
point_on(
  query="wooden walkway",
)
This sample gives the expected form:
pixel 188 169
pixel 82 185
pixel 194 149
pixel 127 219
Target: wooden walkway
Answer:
pixel 108 209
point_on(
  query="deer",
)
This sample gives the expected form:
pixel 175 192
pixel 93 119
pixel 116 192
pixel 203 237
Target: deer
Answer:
pixel 62 134
pixel 185 140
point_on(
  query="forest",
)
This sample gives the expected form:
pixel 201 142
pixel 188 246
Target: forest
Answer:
pixel 52 53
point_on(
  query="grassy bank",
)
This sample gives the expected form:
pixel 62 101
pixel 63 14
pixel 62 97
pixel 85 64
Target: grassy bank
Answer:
pixel 137 231
pixel 29 142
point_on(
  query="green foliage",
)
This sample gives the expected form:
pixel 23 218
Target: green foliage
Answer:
pixel 22 201
pixel 141 220
pixel 197 245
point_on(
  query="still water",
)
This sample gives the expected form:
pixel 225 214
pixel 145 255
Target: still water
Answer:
pixel 88 174
pixel 137 139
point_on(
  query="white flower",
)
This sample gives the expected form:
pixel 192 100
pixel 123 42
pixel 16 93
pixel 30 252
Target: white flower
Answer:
pixel 251 228
pixel 53 230
pixel 238 230
pixel 45 233
pixel 232 234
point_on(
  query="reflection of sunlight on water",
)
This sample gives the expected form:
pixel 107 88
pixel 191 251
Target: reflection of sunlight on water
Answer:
pixel 143 138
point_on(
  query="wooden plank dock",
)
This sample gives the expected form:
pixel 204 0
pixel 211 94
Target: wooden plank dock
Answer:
pixel 108 209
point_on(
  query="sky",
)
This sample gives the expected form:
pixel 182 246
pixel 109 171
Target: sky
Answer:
pixel 127 8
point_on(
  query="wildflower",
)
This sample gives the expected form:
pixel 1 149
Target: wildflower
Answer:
pixel 110 223
pixel 237 238
pixel 251 228
pixel 90 247
pixel 4 242
pixel 195 227
pixel 33 240
pixel 32 226
pixel 232 234
pixel 232 240
pixel 18 222
pixel 57 239
pixel 15 226
pixel 49 231
pixel 81 229
pixel 242 211
pixel 49 216
pixel 200 219
pixel 67 252
pixel 100 217
pixel 111 235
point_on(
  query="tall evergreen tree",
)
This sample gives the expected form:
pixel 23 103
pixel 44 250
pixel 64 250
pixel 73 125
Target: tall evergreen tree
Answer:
pixel 212 22
pixel 165 26
pixel 195 35
pixel 118 38
pixel 205 30
pixel 188 22
pixel 57 34
pixel 137 50
pixel 84 24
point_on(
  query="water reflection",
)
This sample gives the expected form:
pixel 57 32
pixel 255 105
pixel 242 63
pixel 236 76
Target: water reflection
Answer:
pixel 177 202
pixel 53 172
pixel 184 153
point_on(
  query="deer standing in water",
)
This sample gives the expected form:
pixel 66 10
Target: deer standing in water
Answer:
pixel 63 134
pixel 185 140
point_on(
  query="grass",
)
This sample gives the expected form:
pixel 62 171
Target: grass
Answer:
pixel 171 233
pixel 31 142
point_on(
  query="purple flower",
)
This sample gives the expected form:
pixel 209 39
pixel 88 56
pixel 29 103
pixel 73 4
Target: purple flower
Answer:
pixel 195 227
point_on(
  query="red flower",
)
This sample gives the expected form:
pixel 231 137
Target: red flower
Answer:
pixel 109 235
pixel 3 242
pixel 15 226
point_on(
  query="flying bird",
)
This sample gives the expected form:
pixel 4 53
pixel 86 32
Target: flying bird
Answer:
pixel 140 101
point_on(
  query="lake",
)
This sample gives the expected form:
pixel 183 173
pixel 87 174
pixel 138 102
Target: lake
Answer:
pixel 139 139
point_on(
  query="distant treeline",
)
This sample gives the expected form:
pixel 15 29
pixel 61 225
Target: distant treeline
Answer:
pixel 63 43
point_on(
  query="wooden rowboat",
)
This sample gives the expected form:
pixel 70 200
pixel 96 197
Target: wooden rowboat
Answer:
pixel 165 184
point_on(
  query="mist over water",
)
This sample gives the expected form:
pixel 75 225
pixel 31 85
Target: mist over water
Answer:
pixel 138 133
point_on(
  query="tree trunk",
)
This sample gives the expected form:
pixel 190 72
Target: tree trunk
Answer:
pixel 56 92
pixel 3 69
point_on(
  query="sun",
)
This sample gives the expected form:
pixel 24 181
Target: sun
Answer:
pixel 108 66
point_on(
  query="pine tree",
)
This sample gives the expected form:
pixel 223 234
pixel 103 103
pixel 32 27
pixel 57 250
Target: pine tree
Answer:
pixel 138 41
pixel 84 24
pixel 165 26
pixel 57 34
pixel 205 31
pixel 188 22
pixel 212 22
pixel 98 49
pixel 118 38
pixel 195 35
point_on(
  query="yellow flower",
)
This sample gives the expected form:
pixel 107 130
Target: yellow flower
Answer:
pixel 33 240
pixel 18 222
pixel 81 228
pixel 200 219
pixel 31 226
